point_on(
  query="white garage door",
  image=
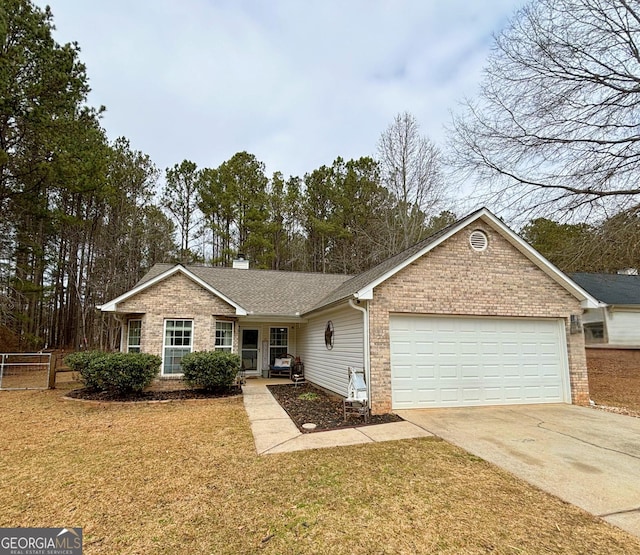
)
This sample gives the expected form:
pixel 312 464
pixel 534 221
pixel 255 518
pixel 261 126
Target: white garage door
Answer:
pixel 449 361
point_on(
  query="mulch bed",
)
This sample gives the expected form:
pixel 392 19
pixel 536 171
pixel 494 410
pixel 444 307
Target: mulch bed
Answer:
pixel 320 408
pixel 170 395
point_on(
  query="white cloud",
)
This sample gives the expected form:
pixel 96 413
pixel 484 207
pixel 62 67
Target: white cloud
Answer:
pixel 295 83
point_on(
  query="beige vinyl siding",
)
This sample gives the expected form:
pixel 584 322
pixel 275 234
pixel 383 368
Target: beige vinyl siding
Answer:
pixel 329 368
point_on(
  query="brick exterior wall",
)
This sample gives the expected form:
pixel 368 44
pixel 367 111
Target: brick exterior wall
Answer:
pixel 178 297
pixel 453 279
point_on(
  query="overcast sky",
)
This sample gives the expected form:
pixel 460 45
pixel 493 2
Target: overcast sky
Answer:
pixel 295 82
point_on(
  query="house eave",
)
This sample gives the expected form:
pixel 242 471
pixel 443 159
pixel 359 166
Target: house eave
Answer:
pixel 587 304
pixel 365 294
pixel 274 318
pixel 331 306
pixel 622 307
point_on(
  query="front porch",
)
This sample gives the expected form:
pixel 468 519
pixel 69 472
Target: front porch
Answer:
pixel 261 343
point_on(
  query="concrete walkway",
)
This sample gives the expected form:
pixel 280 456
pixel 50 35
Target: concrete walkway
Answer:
pixel 587 457
pixel 274 432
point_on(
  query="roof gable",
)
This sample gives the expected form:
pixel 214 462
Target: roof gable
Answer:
pixel 143 284
pixel 362 285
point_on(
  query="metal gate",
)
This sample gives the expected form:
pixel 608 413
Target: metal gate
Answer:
pixel 25 370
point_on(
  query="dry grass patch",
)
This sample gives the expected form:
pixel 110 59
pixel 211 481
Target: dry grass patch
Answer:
pixel 184 477
pixel 614 377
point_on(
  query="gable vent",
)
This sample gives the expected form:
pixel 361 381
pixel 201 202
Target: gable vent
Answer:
pixel 478 240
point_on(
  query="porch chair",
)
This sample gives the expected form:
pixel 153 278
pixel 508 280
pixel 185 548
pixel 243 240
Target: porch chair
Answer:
pixel 281 367
pixel 357 401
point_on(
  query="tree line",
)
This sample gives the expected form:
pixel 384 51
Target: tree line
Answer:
pixel 551 142
pixel 86 217
pixel 77 218
pixel 341 218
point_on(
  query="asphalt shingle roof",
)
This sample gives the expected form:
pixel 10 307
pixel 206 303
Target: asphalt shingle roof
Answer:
pixel 266 292
pixel 611 288
pixel 263 292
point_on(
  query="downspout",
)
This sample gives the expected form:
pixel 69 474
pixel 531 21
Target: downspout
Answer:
pixel 367 365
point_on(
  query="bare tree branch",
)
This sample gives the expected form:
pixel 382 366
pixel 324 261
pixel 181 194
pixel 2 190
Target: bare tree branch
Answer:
pixel 559 109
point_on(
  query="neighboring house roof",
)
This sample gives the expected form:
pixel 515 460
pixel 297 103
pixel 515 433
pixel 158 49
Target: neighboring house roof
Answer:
pixel 276 293
pixel 362 285
pixel 612 289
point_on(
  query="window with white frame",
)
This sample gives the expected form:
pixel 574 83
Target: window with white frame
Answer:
pixel 178 341
pixel 224 336
pixel 134 333
pixel 278 343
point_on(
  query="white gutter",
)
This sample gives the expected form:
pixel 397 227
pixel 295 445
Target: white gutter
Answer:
pixel 367 365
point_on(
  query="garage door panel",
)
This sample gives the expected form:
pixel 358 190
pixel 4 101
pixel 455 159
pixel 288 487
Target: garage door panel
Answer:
pixel 447 349
pixel 448 361
pixel 471 394
pixel 427 395
pixel 403 372
pixel 510 348
pixel 402 348
pixel 448 371
pixel 426 348
pixel 449 395
pixel 490 347
pixel 551 391
pixel 493 395
pixel 421 398
pixel 425 372
pixel 470 372
pixel 532 371
pixel 491 371
pixel 512 393
pixel 511 371
pixel 530 349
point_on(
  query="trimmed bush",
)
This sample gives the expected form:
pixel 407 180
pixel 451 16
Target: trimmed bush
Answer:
pixel 210 369
pixel 120 373
pixel 85 362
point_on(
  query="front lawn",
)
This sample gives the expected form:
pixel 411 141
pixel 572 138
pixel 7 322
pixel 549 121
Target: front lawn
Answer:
pixel 183 477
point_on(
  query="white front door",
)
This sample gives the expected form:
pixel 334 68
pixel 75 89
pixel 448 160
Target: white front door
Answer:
pixel 459 361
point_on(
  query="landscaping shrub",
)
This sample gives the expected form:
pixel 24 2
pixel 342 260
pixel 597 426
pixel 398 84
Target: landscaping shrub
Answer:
pixel 210 369
pixel 116 372
pixel 84 362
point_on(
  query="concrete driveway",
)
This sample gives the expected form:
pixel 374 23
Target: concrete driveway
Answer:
pixel 587 457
